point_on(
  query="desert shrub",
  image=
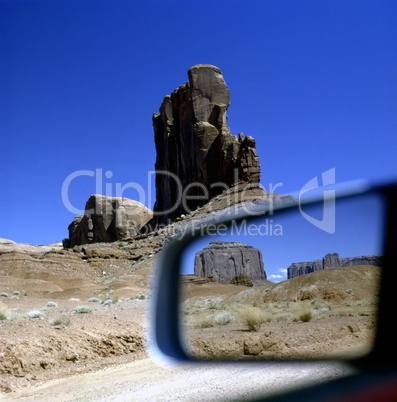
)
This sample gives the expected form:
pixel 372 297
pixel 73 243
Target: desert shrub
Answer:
pixel 253 318
pixel 223 318
pixel 107 302
pixel 302 312
pixel 52 304
pixel 83 310
pixel 94 300
pixel 4 294
pixel 205 322
pixel 16 293
pixel 306 316
pixel 35 314
pixel 5 313
pixel 60 322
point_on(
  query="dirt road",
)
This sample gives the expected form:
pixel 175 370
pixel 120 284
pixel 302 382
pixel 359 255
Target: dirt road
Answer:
pixel 143 380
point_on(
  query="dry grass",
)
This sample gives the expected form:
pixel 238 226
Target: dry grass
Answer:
pixel 60 322
pixel 253 318
pixel 204 322
pixel 5 312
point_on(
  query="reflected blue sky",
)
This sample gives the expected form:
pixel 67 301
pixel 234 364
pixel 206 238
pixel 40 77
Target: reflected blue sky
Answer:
pixel 288 237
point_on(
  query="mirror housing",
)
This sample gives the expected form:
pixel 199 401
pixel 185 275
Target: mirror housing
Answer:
pixel 166 338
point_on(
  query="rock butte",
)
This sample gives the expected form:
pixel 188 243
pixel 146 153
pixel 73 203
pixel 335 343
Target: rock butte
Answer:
pixel 227 262
pixel 194 143
pixel 196 153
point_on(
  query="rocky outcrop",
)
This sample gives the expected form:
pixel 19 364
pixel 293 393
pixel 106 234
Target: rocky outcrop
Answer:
pixel 197 156
pixel 107 219
pixel 230 262
pixel 331 261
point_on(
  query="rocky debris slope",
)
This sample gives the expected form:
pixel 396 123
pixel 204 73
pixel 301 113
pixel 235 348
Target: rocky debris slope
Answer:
pixel 233 262
pixel 196 151
pixel 331 260
pixel 62 342
pixel 107 219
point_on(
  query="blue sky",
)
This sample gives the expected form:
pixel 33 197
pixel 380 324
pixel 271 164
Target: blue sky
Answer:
pixel 314 82
pixel 290 237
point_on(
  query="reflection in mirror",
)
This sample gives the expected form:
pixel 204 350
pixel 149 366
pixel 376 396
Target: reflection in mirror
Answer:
pixel 296 284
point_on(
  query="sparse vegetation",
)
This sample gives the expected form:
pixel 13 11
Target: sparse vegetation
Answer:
pixel 110 301
pixel 35 314
pixel 94 300
pixel 4 294
pixel 83 310
pixel 5 312
pixel 253 318
pixel 306 316
pixel 52 304
pixel 302 312
pixel 60 322
pixel 223 318
pixel 204 322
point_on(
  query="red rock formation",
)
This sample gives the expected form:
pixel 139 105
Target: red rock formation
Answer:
pixel 197 156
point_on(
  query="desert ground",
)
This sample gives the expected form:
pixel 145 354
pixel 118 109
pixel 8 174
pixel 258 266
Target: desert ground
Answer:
pixel 325 314
pixel 72 313
pixel 78 316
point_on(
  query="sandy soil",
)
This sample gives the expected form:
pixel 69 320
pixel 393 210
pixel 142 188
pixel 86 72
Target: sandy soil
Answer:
pixel 143 380
pixel 47 348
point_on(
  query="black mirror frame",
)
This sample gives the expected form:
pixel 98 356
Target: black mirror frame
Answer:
pixel 164 332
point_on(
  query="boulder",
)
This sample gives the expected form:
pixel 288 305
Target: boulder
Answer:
pixel 197 156
pixel 107 219
pixel 230 262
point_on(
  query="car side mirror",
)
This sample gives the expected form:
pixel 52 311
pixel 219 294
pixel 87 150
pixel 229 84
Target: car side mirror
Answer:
pixel 282 279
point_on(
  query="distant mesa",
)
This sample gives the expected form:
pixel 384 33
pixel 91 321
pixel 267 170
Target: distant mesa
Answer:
pixel 331 260
pixel 230 262
pixel 194 145
pixel 107 219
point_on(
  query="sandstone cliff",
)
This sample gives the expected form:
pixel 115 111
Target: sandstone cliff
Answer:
pixel 331 260
pixel 230 262
pixel 196 151
pixel 107 219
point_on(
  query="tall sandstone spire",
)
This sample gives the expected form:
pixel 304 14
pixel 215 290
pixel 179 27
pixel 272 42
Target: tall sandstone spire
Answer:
pixel 196 152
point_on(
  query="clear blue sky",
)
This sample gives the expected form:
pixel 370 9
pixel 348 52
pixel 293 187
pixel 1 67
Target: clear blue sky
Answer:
pixel 287 238
pixel 314 82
